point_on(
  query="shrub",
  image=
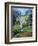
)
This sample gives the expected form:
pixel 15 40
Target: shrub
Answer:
pixel 16 29
pixel 18 35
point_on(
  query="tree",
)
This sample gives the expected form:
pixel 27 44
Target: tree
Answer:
pixel 30 19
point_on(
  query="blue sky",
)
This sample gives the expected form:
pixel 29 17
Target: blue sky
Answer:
pixel 23 10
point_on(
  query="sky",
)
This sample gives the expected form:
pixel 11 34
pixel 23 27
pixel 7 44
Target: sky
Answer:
pixel 22 10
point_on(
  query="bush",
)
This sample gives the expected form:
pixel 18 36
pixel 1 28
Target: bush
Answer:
pixel 16 29
pixel 17 35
